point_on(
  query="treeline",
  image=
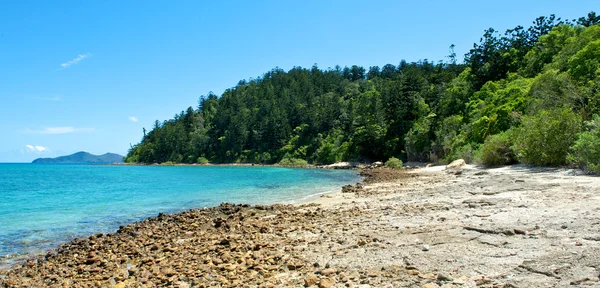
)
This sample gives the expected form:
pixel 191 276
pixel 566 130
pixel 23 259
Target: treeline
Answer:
pixel 528 95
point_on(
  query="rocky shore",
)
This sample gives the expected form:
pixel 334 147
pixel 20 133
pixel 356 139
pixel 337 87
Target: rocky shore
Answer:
pixel 429 227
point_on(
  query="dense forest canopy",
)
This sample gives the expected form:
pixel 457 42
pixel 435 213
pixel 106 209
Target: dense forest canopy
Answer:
pixel 421 111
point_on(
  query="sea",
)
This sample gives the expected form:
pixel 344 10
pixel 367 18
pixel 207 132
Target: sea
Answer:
pixel 44 205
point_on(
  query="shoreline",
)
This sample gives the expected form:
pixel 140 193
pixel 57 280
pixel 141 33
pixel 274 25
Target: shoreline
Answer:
pixel 427 227
pixel 10 261
pixel 339 165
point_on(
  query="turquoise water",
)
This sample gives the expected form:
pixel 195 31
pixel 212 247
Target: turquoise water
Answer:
pixel 42 205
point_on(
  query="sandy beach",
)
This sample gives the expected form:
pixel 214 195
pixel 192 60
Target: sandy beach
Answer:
pixel 429 227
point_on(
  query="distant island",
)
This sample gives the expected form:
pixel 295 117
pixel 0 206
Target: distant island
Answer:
pixel 84 158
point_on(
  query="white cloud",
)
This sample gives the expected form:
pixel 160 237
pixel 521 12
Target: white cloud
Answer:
pixel 133 119
pixel 36 148
pixel 75 61
pixel 60 130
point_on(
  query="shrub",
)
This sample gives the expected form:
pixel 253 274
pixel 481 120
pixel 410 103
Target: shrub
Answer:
pixel 202 160
pixel 544 139
pixel 293 162
pixel 168 163
pixel 497 150
pixel 586 150
pixel 394 163
pixel 467 152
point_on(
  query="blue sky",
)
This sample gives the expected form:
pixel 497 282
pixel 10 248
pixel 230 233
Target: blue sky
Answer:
pixel 88 75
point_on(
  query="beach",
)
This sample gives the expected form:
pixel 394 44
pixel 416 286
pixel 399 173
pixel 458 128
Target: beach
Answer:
pixel 514 226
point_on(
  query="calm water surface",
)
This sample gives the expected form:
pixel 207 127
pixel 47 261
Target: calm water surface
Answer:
pixel 42 205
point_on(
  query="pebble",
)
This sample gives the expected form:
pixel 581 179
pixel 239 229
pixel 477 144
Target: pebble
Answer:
pixel 326 283
pixel 425 247
pixel 444 277
pixel 310 280
pixel 328 271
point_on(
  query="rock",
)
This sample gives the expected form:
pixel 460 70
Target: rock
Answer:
pixel 412 272
pixel 462 280
pixel 344 277
pixel 425 247
pixel 444 277
pixel 456 164
pixel 430 285
pixel 377 164
pixel 427 276
pixel 326 283
pixel 340 165
pixel 349 189
pixel 310 280
pixel 120 285
pixel 328 271
pixel 169 272
pixel 520 231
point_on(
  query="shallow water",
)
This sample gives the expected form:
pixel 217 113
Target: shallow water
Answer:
pixel 42 205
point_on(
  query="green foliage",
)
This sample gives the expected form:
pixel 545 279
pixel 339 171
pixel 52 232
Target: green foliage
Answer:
pixel 467 152
pixel 497 107
pixel 553 89
pixel 419 139
pixel 394 163
pixel 168 163
pixel 202 160
pixel 332 149
pixel 547 47
pixel 585 64
pixel 414 111
pixel 544 139
pixel 582 37
pixel 292 162
pixel 447 135
pixel 586 150
pixel 497 150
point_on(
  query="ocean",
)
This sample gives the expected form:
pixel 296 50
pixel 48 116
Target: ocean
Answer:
pixel 43 205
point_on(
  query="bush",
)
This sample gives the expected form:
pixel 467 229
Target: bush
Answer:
pixel 586 150
pixel 202 160
pixel 544 139
pixel 497 150
pixel 394 163
pixel 467 152
pixel 168 163
pixel 293 162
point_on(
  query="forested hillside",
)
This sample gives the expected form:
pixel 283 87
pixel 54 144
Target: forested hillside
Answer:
pixel 526 95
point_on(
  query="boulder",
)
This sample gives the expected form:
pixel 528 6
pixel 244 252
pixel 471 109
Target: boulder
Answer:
pixel 456 164
pixel 340 165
